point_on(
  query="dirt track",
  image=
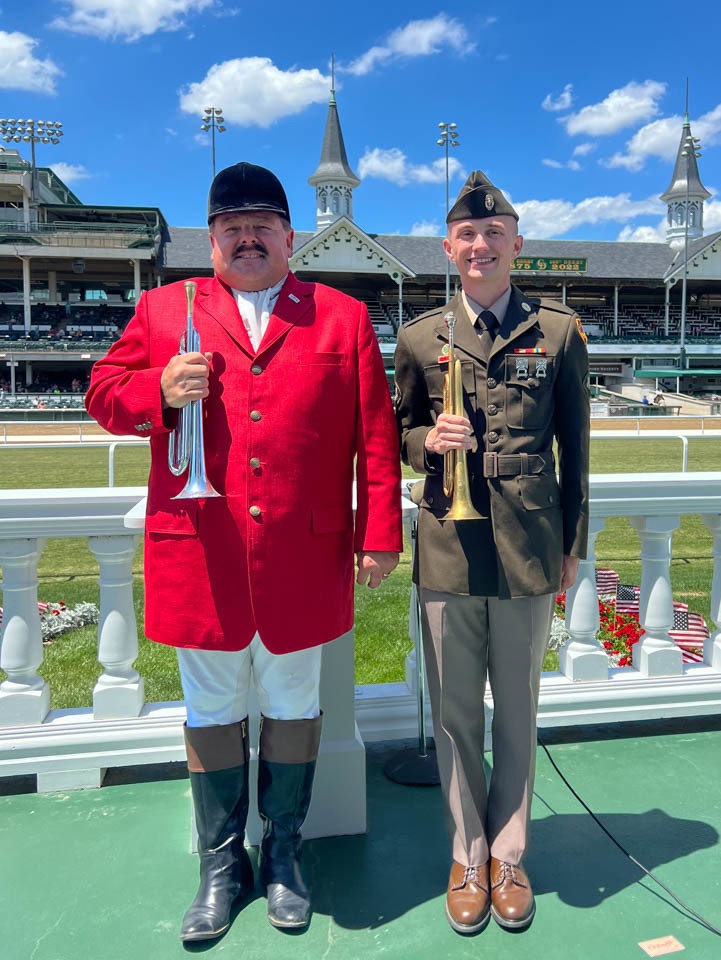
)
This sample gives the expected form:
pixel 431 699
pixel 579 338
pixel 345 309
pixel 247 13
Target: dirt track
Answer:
pixel 23 429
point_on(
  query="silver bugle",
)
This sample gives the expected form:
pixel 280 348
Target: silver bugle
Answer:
pixel 185 445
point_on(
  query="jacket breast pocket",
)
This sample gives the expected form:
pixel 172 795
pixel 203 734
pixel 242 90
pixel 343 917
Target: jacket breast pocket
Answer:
pixel 529 391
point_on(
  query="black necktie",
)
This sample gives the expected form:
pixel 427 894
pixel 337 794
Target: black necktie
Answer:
pixel 490 321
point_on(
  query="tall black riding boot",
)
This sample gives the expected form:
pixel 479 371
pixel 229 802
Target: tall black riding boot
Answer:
pixel 218 767
pixel 287 755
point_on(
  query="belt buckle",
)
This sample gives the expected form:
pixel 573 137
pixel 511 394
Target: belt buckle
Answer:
pixel 490 464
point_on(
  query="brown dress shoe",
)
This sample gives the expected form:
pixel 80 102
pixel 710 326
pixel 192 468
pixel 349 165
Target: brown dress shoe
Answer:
pixel 468 903
pixel 512 902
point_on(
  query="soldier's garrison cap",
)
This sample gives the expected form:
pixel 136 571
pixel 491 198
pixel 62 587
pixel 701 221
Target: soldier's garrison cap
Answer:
pixel 479 198
pixel 246 186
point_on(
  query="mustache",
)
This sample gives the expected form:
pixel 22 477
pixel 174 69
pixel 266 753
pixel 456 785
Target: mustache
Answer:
pixel 254 247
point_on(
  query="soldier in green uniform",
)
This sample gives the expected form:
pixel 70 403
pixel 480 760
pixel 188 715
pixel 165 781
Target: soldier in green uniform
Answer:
pixel 487 586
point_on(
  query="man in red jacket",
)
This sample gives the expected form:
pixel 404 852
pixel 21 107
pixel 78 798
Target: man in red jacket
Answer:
pixel 250 584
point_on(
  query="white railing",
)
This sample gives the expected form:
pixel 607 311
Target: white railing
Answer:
pixel 110 445
pixel 70 748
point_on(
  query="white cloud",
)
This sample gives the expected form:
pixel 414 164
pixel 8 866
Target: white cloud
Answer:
pixel 20 69
pixel 708 127
pixel 393 165
pixel 712 216
pixel 646 234
pixel 426 228
pixel 557 165
pixel 658 139
pixel 70 173
pixel 554 218
pixel 562 102
pixel 419 38
pixel 127 19
pixel 583 149
pixel 622 108
pixel 254 92
pixel 661 139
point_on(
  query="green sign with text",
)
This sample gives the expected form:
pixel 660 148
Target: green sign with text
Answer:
pixel 550 264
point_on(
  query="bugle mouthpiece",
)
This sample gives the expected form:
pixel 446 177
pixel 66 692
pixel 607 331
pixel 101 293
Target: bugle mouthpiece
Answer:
pixel 190 288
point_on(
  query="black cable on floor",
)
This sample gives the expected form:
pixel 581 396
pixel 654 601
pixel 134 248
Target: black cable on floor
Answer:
pixel 684 906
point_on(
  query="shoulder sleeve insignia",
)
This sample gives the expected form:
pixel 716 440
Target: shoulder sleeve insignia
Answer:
pixel 581 331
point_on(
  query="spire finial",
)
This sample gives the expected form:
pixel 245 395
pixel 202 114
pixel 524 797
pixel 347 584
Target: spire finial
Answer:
pixel 332 78
pixel 685 119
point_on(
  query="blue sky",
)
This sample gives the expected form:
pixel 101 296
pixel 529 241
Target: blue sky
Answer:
pixel 575 110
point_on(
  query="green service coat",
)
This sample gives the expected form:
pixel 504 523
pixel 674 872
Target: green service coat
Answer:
pixel 517 401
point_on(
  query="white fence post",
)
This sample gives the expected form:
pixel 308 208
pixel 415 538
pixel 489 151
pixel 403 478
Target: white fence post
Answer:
pixel 582 657
pixel 655 654
pixel 24 696
pixel 120 690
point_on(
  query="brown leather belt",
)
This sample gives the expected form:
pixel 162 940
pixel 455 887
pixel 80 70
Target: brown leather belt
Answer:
pixel 516 464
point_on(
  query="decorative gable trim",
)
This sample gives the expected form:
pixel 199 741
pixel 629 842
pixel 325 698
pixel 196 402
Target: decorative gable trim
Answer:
pixel 342 248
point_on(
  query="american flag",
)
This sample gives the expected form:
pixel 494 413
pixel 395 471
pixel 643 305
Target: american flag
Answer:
pixel 689 631
pixel 606 581
pixel 627 598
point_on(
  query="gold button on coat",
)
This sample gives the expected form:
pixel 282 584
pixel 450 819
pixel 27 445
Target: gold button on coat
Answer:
pixel 255 415
pixel 254 511
pixel 254 462
pixel 256 369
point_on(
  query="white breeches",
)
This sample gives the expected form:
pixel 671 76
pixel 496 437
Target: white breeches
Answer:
pixel 216 683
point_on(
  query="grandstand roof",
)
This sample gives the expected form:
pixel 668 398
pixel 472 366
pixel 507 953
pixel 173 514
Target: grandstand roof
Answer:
pixel 188 250
pixel 696 248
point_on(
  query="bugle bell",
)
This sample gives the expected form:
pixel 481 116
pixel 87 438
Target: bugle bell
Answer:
pixel 455 462
pixel 185 446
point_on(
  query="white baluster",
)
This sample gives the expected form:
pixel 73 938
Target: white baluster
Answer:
pixel 24 696
pixel 120 690
pixel 712 646
pixel 583 657
pixel 655 654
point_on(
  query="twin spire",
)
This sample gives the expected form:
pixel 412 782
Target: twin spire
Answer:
pixel 334 181
pixel 685 194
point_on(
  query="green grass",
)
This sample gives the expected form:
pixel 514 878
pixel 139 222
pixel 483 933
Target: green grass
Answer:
pixel 68 570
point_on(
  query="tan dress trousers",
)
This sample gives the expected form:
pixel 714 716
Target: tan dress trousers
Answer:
pixel 465 640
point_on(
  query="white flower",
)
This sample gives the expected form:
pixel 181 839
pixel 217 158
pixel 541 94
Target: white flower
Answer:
pixel 56 618
pixel 559 634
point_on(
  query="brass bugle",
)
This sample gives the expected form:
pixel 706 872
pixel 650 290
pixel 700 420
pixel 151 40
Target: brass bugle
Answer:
pixel 185 446
pixel 455 462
